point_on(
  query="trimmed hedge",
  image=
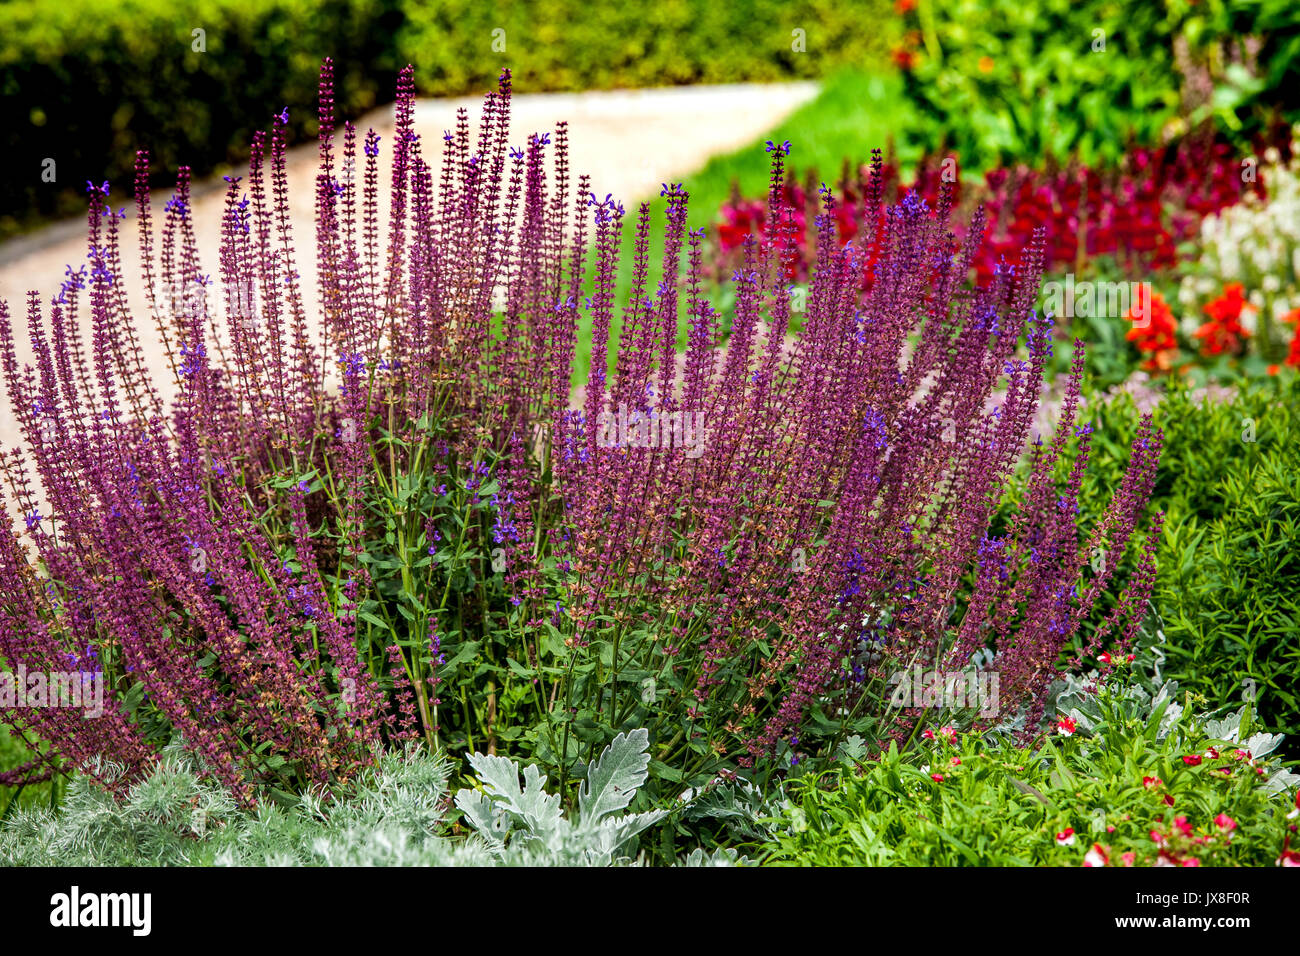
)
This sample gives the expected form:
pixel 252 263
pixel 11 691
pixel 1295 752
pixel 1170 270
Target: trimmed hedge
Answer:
pixel 87 82
pixel 568 45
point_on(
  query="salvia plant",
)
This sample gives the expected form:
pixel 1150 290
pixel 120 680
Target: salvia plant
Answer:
pixel 391 521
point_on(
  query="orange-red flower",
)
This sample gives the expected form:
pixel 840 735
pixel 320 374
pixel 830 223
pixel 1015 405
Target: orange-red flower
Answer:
pixel 1156 338
pixel 1293 357
pixel 1224 332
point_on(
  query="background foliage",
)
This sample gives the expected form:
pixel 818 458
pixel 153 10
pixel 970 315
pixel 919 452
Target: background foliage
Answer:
pixel 87 82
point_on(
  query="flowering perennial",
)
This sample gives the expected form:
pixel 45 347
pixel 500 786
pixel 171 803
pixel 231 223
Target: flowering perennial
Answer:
pixel 334 526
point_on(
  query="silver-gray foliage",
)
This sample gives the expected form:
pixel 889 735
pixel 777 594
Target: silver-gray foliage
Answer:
pixel 522 824
pixel 391 816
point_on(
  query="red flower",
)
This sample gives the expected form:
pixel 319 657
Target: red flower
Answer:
pixel 1067 726
pixel 1097 856
pixel 1150 782
pixel 1155 338
pixel 1225 822
pixel 1192 760
pixel 1224 332
pixel 1065 837
pixel 937 777
pixel 1293 357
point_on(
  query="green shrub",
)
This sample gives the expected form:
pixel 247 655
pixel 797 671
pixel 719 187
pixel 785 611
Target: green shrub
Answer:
pixel 1008 81
pixel 566 45
pixel 1228 569
pixel 1001 805
pixel 86 83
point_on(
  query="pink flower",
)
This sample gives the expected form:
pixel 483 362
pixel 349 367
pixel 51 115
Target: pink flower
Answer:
pixel 1128 858
pixel 1065 837
pixel 927 735
pixel 1150 782
pixel 937 777
pixel 956 761
pixel 1191 861
pixel 1066 726
pixel 1104 657
pixel 1212 754
pixel 950 733
pixel 1192 760
pixel 1157 837
pixel 1097 856
pixel 1182 824
pixel 1225 822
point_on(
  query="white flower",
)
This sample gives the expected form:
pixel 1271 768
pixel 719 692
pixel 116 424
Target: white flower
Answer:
pixel 1272 284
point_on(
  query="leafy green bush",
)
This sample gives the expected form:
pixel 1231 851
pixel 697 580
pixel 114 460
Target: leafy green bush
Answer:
pixel 85 83
pixel 1010 80
pixel 563 45
pixel 1078 799
pixel 1228 569
pixel 1005 80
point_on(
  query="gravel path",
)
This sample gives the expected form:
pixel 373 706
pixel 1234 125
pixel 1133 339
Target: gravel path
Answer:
pixel 628 141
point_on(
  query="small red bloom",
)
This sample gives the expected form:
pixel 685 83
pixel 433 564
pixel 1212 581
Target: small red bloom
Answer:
pixel 1192 760
pixel 1065 837
pixel 1225 822
pixel 1066 726
pixel 1156 337
pixel 1097 856
pixel 1224 331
